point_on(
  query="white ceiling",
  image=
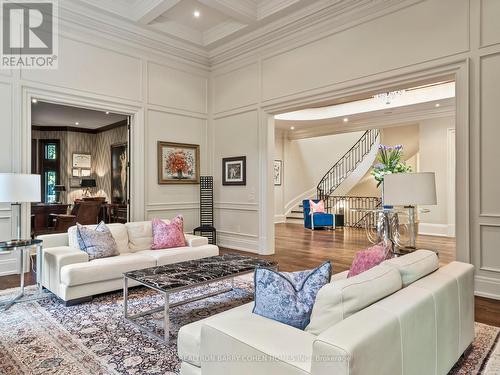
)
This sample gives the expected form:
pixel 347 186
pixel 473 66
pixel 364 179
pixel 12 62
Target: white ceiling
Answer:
pixel 414 104
pixel 48 114
pixel 220 20
pixel 403 115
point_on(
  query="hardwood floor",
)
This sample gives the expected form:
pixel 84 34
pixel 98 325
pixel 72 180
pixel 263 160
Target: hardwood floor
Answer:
pixel 298 248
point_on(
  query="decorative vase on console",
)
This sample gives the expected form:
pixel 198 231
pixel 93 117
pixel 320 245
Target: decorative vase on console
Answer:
pixel 389 162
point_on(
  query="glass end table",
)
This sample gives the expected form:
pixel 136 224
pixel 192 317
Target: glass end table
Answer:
pixel 24 247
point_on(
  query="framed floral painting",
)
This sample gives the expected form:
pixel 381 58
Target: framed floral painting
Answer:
pixel 178 163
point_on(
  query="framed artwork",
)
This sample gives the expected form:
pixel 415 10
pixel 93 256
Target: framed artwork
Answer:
pixel 75 172
pixel 277 172
pixel 234 171
pixel 178 163
pixel 85 172
pixel 82 160
pixel 75 182
pixel 119 173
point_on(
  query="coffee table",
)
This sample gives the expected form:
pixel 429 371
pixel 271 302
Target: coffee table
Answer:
pixel 173 278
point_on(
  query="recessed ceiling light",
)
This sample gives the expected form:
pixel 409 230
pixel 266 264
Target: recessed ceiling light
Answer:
pixel 34 101
pixel 438 105
pixel 196 14
pixel 346 119
pixel 292 127
pixel 107 112
pixel 77 123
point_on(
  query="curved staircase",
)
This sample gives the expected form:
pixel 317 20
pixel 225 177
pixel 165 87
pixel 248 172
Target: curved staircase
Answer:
pixel 344 174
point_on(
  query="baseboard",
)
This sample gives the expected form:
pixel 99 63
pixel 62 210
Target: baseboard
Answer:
pixel 236 241
pixel 441 230
pixel 487 287
pixel 278 219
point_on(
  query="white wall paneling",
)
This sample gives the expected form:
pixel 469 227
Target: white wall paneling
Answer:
pixel 489 133
pixel 370 48
pixel 489 30
pixel 87 67
pixel 178 89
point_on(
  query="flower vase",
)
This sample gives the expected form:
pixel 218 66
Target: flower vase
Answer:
pixel 384 206
pixel 179 174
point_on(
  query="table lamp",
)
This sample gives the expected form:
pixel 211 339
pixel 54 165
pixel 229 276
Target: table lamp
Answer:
pixel 17 188
pixel 59 189
pixel 88 183
pixel 410 190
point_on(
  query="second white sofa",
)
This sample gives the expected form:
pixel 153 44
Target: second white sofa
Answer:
pixel 68 273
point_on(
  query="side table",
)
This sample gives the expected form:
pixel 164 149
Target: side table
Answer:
pixel 23 247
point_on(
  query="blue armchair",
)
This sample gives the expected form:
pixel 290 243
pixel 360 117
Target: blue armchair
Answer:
pixel 320 220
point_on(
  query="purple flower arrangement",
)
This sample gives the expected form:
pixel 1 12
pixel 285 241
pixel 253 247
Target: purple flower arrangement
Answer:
pixel 389 161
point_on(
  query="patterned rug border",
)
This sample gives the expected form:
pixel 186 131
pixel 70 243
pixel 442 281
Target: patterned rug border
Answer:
pixel 492 350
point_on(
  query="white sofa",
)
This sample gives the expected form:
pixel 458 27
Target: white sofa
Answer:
pixel 404 316
pixel 68 273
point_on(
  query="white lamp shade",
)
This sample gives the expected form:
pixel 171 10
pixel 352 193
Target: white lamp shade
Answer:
pixel 410 189
pixel 19 188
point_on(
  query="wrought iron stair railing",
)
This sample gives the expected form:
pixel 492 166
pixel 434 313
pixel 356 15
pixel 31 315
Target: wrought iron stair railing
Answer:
pixel 345 166
pixel 343 205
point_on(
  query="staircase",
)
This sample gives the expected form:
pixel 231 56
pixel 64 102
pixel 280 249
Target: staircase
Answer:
pixel 344 174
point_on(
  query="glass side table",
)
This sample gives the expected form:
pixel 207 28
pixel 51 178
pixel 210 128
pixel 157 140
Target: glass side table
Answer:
pixel 24 247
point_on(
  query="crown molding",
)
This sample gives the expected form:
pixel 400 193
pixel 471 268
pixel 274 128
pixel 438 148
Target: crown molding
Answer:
pixel 75 16
pixel 320 19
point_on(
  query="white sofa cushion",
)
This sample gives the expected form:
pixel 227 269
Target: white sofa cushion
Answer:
pixel 140 235
pixel 118 231
pixel 414 266
pixel 345 297
pixel 180 254
pixel 104 269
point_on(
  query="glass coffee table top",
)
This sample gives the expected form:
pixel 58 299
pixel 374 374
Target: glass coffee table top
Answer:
pixel 181 275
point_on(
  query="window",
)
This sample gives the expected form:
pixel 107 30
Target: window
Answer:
pixel 48 167
pixel 50 183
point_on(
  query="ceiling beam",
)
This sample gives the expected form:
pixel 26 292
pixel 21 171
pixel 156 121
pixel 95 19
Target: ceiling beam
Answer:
pixel 147 11
pixel 244 11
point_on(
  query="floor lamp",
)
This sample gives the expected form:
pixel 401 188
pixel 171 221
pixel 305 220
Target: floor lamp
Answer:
pixel 410 190
pixel 17 188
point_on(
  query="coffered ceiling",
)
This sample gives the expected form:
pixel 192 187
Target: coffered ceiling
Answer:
pixel 206 23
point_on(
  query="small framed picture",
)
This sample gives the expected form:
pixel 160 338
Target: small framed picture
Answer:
pixel 75 172
pixel 277 171
pixel 82 160
pixel 234 171
pixel 85 173
pixel 74 182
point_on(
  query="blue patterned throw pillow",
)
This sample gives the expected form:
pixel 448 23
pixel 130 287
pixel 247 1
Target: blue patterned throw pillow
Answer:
pixel 98 242
pixel 288 297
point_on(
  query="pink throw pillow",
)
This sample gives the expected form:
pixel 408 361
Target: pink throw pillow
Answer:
pixel 317 207
pixel 368 258
pixel 167 236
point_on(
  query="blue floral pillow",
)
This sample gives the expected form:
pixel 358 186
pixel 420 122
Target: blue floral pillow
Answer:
pixel 98 242
pixel 288 297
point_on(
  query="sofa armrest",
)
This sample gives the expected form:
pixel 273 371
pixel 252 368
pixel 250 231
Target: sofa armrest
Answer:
pixel 249 344
pixel 54 259
pixel 194 241
pixel 54 240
